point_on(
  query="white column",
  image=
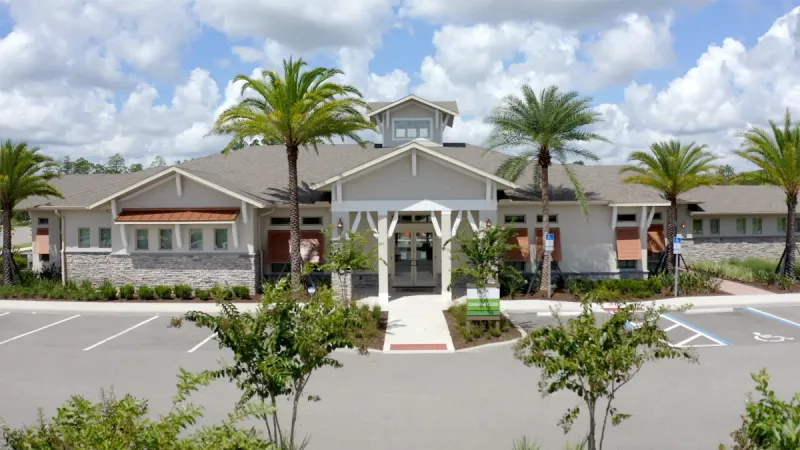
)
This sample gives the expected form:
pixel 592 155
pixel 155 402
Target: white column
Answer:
pixel 383 255
pixel 643 237
pixel 447 263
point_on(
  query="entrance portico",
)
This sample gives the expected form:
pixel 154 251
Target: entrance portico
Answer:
pixel 412 201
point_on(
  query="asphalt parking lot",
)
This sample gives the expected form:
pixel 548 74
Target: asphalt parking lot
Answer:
pixel 712 327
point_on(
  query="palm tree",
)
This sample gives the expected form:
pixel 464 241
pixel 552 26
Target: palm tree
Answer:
pixel 726 174
pixel 298 109
pixel 550 126
pixel 672 169
pixel 776 154
pixel 24 172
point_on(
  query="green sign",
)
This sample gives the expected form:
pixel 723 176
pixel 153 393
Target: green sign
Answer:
pixel 483 307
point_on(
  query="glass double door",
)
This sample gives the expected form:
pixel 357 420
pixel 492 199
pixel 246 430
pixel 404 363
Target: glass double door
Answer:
pixel 413 259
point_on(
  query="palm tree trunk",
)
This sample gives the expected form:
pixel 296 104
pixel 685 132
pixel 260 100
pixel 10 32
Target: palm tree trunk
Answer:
pixel 791 240
pixel 544 281
pixel 672 231
pixel 7 277
pixel 294 220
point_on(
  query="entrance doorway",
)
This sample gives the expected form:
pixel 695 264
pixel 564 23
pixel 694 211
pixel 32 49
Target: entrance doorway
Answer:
pixel 413 259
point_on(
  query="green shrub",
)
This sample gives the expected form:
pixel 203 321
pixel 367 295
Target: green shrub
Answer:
pixel 221 293
pixel 749 270
pixel 182 291
pixel 241 291
pixel 127 291
pixel 108 291
pixel 163 291
pixel 202 294
pixel 146 292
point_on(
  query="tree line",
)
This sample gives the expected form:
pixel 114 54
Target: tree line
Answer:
pixel 115 164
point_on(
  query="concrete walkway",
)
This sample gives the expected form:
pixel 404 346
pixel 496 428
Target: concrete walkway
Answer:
pixel 417 325
pixel 734 288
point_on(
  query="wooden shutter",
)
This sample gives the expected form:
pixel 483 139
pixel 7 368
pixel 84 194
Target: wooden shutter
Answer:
pixel 42 244
pixel 656 242
pixel 556 245
pixel 278 246
pixel 629 246
pixel 312 245
pixel 522 253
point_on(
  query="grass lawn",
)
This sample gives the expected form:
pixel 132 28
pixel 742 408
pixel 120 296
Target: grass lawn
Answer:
pixel 755 271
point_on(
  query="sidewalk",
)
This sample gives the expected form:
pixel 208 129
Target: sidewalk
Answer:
pixel 734 288
pixel 417 325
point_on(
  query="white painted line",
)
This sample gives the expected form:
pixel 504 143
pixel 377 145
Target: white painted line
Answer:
pixel 3 314
pixel 704 345
pixel 708 310
pixel 201 343
pixel 717 340
pixel 120 333
pixel 562 314
pixel 672 327
pixel 687 340
pixel 773 316
pixel 39 329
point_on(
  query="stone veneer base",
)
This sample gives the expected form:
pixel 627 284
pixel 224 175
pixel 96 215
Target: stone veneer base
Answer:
pixel 733 247
pixel 196 270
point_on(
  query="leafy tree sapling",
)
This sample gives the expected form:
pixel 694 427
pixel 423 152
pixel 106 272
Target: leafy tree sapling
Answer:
pixel 481 254
pixel 347 253
pixel 595 359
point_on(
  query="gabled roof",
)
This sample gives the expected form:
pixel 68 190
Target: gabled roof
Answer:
pixel 413 146
pixel 739 199
pixel 378 107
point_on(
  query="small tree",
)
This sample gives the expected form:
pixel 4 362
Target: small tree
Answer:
pixel 278 347
pixel 595 360
pixel 481 255
pixel 347 254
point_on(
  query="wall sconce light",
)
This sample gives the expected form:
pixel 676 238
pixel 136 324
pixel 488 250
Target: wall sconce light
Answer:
pixel 488 223
pixel 683 224
pixel 340 224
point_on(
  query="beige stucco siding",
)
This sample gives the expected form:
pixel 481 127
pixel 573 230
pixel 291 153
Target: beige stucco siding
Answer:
pixel 165 195
pixel 395 181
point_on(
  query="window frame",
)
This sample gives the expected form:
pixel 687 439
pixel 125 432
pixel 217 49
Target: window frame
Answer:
pixel 694 226
pixel 191 243
pixel 711 223
pixel 100 237
pixel 146 232
pixel 279 221
pixel 405 129
pixel 760 222
pixel 781 224
pixel 658 215
pixel 514 216
pixel 227 240
pixel 742 220
pixel 315 218
pixel 553 218
pixel 89 237
pixel 626 261
pixel 161 239
pixel 620 217
pixel 43 221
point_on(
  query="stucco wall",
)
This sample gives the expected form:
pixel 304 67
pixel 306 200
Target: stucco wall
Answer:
pixel 164 194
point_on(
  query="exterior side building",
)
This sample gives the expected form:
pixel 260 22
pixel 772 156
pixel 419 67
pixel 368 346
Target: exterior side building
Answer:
pixel 224 220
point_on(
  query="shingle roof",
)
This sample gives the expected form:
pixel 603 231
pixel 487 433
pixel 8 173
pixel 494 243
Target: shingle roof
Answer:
pixel 448 105
pixel 260 172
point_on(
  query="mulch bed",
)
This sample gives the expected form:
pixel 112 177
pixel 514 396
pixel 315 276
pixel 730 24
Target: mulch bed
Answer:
pixel 252 299
pixel 459 342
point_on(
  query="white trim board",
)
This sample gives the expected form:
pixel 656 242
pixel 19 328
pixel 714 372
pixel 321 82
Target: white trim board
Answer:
pixel 422 149
pixel 414 205
pixel 407 99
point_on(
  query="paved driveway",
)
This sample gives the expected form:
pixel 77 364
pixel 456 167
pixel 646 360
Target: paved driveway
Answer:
pixel 19 235
pixel 474 400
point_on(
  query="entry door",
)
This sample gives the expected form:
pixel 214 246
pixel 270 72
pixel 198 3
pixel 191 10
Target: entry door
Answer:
pixel 413 259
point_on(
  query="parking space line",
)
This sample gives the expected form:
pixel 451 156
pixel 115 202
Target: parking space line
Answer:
pixel 201 343
pixel 39 329
pixel 687 340
pixel 698 330
pixel 772 316
pixel 120 333
pixel 672 327
pixel 4 314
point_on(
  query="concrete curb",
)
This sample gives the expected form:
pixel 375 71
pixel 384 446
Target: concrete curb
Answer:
pixel 494 344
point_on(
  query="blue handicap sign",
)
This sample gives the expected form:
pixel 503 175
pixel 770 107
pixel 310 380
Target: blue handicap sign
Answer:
pixel 550 237
pixel 677 240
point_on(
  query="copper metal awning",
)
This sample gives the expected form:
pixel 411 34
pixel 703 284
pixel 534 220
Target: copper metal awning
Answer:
pixel 172 215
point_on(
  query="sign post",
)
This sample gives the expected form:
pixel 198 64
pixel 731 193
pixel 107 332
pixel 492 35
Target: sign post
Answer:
pixel 676 249
pixel 549 245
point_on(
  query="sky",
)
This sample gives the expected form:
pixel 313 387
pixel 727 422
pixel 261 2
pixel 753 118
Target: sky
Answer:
pixel 91 78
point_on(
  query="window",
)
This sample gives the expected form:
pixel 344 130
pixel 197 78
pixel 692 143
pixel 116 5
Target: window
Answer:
pixel 142 240
pixel 220 239
pixel 312 221
pixel 697 226
pixel 756 225
pixel 781 224
pixel 626 264
pixel 626 217
pixel 515 219
pixel 797 224
pixel 415 219
pixel 741 226
pixel 105 237
pixel 43 221
pixel 412 129
pixel 195 238
pixel 657 216
pixel 84 238
pixel 165 239
pixel 553 218
pixel 44 258
pixel 714 223
pixel 280 268
pixel 279 221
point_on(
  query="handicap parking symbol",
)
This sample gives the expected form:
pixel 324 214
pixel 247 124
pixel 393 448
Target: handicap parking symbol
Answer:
pixel 770 338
